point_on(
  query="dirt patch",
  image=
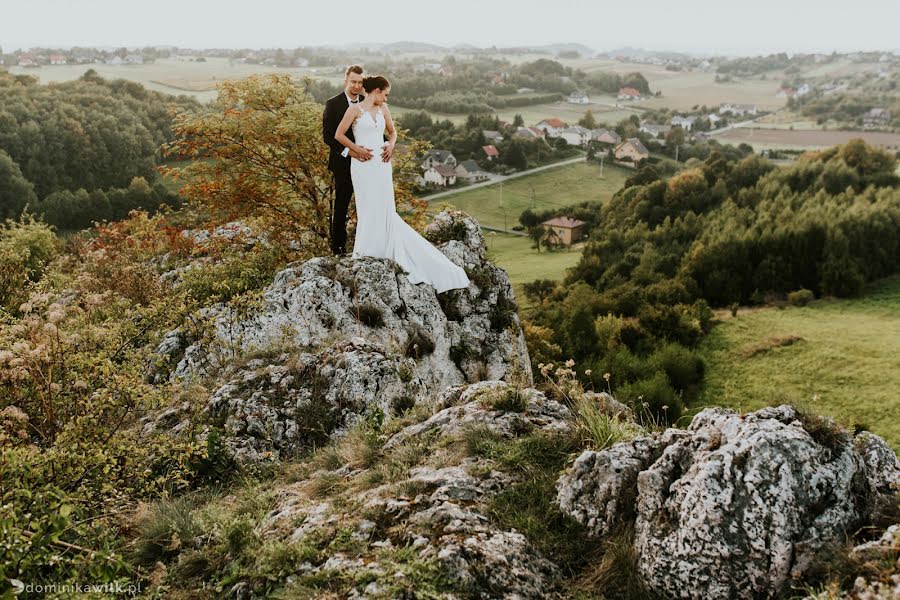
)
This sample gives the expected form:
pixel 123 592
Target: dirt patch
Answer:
pixel 769 344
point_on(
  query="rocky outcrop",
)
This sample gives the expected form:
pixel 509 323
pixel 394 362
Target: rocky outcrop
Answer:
pixel 456 337
pixel 439 506
pixel 736 506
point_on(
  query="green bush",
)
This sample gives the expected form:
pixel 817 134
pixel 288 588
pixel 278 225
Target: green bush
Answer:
pixel 26 246
pixel 682 366
pixel 654 399
pixel 801 297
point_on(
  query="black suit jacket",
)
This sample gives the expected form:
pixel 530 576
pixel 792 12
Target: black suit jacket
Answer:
pixel 331 118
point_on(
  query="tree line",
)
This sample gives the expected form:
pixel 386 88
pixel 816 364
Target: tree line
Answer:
pixel 74 150
pixel 726 232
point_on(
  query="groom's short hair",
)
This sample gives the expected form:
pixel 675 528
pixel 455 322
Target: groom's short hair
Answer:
pixel 353 69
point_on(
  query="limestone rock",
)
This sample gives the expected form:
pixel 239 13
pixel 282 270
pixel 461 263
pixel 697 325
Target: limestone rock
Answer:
pixel 736 506
pixel 456 337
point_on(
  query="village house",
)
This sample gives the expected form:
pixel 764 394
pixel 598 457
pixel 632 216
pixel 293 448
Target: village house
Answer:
pixel 57 59
pixel 713 119
pixel 491 152
pixel 686 123
pixel 631 151
pixel 440 175
pixel 491 136
pixel 134 59
pixel 552 127
pixel 576 135
pixel 606 137
pixel 578 97
pixel 564 231
pixel 876 117
pixel 655 130
pixel 737 109
pixel 469 169
pixel 26 61
pixel 628 93
pixel 528 133
pixel 439 157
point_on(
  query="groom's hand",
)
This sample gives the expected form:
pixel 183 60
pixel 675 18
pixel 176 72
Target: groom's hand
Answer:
pixel 365 155
pixel 387 152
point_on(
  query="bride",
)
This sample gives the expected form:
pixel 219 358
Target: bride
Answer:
pixel 380 231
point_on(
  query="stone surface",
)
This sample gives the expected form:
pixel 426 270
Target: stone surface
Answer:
pixel 736 506
pixel 439 507
pixel 460 336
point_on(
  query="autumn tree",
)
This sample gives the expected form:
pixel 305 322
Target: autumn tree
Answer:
pixel 259 155
pixel 588 121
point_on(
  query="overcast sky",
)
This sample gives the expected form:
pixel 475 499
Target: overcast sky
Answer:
pixel 721 26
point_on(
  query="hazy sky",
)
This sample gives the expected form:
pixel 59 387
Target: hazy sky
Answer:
pixel 720 26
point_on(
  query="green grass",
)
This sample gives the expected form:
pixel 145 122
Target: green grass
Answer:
pixel 524 264
pixel 553 188
pixel 848 356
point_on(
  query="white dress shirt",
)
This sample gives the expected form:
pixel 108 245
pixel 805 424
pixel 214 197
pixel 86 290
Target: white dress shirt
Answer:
pixel 347 150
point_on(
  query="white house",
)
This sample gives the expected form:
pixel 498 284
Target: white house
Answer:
pixel 439 157
pixel 440 175
pixel 576 135
pixel 578 97
pixel 57 59
pixel 552 127
pixel 686 123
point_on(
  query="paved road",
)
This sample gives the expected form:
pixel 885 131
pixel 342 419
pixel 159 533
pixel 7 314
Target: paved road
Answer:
pixel 500 178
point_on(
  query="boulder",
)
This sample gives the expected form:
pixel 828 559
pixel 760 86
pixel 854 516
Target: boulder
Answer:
pixel 736 506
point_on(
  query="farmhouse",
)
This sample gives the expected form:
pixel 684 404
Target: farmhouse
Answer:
pixel 628 93
pixel 552 127
pixel 440 175
pixel 469 169
pixel 57 59
pixel 564 230
pixel 26 61
pixel 631 150
pixel 438 157
pixel 491 151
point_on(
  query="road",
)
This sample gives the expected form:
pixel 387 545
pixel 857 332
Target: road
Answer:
pixel 500 178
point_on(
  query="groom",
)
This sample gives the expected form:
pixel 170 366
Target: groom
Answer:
pixel 339 156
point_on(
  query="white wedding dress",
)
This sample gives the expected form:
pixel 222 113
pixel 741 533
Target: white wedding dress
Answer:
pixel 380 231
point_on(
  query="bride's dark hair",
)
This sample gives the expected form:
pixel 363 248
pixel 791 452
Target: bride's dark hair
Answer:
pixel 378 82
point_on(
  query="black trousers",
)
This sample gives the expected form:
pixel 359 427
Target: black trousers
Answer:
pixel 343 189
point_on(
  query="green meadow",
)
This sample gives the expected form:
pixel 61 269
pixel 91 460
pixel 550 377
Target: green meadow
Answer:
pixel 836 357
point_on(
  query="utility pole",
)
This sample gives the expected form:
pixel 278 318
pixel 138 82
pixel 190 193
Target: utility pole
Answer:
pixel 677 148
pixel 532 196
pixel 601 166
pixel 501 193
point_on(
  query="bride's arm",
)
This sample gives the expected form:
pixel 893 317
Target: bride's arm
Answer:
pixel 341 133
pixel 392 135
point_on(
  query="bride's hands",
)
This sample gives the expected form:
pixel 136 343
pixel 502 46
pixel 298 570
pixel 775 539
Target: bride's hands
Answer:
pixel 387 152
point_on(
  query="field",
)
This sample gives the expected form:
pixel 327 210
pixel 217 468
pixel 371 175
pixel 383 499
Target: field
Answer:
pixel 785 138
pixel 172 75
pixel 524 264
pixel 846 352
pixel 552 188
